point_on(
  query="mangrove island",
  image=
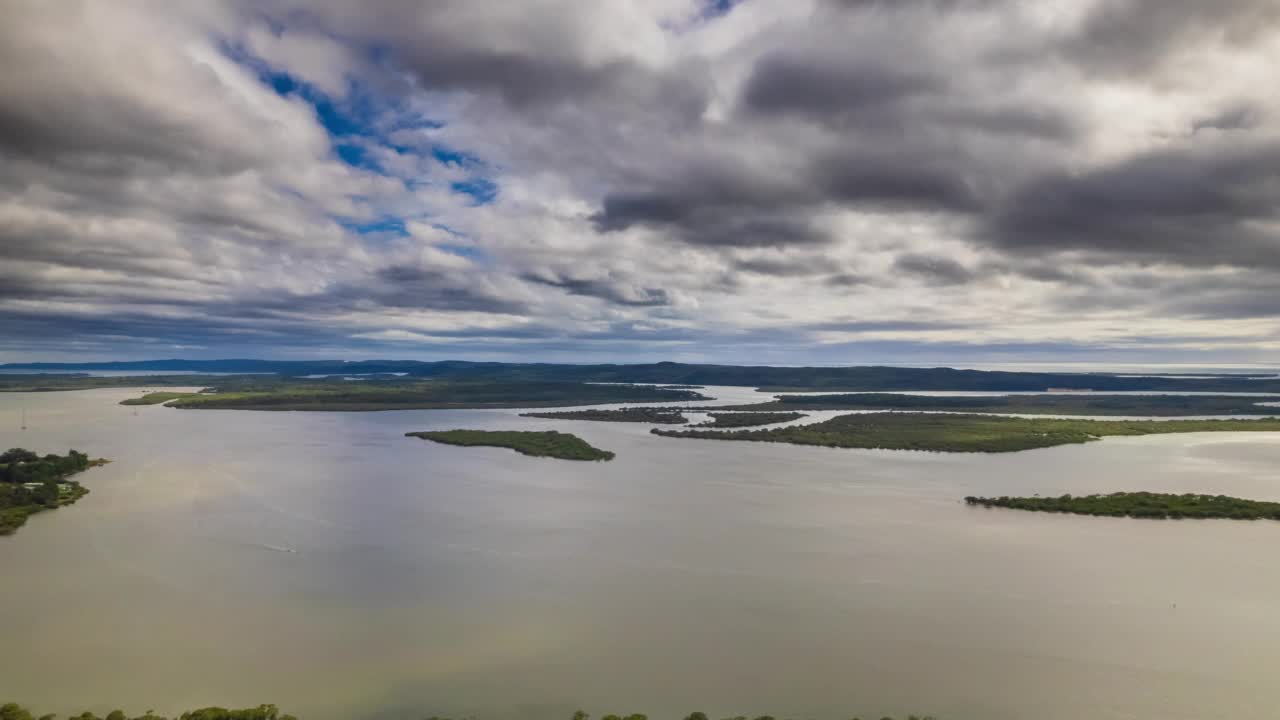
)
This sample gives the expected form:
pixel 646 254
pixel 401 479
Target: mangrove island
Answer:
pixel 31 483
pixel 748 419
pixel 13 711
pixel 1140 505
pixel 1039 404
pixel 663 416
pixel 942 432
pixel 550 443
pixel 381 393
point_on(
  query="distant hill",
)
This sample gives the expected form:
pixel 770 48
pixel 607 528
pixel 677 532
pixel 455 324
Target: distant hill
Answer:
pixel 863 378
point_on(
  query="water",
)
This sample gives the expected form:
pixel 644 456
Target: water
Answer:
pixel 324 562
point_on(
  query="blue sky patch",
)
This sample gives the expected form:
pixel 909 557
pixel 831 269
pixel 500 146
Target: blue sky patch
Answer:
pixel 482 190
pixel 381 226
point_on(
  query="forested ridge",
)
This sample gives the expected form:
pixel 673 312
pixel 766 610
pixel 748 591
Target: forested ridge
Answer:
pixel 852 379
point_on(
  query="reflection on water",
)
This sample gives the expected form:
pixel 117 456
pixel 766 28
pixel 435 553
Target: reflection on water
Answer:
pixel 325 563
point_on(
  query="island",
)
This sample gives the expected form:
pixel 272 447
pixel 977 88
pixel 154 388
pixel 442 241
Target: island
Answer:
pixel 31 483
pixel 1037 404
pixel 1140 505
pixel 748 419
pixel 663 416
pixel 550 443
pixel 158 397
pixel 944 432
pixel 340 394
pixel 13 711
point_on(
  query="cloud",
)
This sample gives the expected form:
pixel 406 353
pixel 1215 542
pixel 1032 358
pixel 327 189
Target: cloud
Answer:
pixel 606 288
pixel 933 270
pixel 1215 203
pixel 1138 36
pixel 560 180
pixel 808 86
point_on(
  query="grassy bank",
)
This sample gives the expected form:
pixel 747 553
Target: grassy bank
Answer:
pixel 1140 505
pixel 30 483
pixel 1041 404
pixel 966 433
pixel 564 446
pixel 156 398
pixel 661 416
pixel 11 711
pixel 748 419
pixel 399 394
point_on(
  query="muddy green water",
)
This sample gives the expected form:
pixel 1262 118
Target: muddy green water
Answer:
pixel 323 562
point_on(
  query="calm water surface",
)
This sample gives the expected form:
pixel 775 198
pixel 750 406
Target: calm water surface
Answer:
pixel 324 562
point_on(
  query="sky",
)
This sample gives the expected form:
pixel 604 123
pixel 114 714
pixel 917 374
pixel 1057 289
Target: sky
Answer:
pixel 810 181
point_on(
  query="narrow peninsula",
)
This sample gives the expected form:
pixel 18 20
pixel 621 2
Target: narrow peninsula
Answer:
pixel 158 397
pixel 1140 505
pixel 943 432
pixel 564 446
pixel 31 483
pixel 747 419
pixel 661 416
pixel 1038 404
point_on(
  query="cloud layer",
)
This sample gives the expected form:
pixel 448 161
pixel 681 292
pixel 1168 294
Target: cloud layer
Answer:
pixel 816 181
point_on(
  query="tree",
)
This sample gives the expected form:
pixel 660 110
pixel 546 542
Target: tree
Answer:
pixel 12 711
pixel 18 455
pixel 47 493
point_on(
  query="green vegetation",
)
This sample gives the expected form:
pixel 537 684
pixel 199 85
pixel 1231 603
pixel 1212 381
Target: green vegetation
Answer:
pixel 51 382
pixel 1044 404
pixel 965 433
pixel 748 419
pixel 155 398
pixel 400 394
pixel 11 711
pixel 1141 505
pixel 664 416
pixel 554 444
pixel 30 483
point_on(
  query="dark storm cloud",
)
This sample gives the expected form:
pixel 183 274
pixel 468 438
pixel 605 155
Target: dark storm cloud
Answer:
pixel 1137 36
pixel 933 270
pixel 786 266
pixel 750 207
pixel 945 5
pixel 863 93
pixel 847 280
pixel 412 287
pixel 820 87
pixel 607 289
pixel 902 180
pixel 531 58
pixel 526 81
pixel 1244 116
pixel 1201 206
pixel 857 326
pixel 1046 123
pixel 718 206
